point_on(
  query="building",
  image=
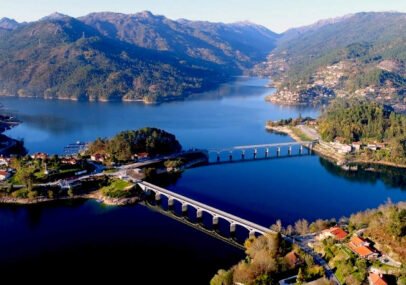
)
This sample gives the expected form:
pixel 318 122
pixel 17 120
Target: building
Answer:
pixel 4 161
pixel 362 248
pixel 40 155
pixel 336 233
pixel 376 279
pixel 357 241
pixel 98 157
pixel 4 175
pixel 141 155
pixel 69 160
pixel 356 146
pixel 372 146
pixel 293 259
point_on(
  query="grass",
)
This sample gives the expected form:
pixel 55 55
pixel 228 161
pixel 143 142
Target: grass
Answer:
pixel 300 134
pixel 385 267
pixel 118 189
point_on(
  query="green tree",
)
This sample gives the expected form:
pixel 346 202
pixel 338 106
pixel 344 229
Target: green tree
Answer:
pixel 300 279
pixel 222 277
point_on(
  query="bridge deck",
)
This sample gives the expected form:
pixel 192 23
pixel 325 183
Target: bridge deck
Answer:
pixel 215 212
pixel 244 147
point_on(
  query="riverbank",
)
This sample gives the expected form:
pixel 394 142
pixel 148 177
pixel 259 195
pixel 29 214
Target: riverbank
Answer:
pixel 95 195
pixel 325 150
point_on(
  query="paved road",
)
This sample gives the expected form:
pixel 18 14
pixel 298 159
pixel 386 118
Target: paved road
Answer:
pixel 309 132
pixel 302 242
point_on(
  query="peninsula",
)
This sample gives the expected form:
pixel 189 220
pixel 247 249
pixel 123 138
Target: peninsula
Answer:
pixel 352 132
pixel 104 170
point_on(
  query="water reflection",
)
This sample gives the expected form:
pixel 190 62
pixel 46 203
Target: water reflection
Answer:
pixel 369 173
pixel 49 123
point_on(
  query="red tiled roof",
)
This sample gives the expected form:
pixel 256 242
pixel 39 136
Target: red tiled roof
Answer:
pixel 338 233
pixel 292 258
pixel 357 241
pixel 362 251
pixel 376 279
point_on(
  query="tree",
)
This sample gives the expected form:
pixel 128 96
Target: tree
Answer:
pixel 289 230
pixel 300 279
pixel 32 194
pixel 318 225
pixel 222 277
pixel 123 145
pixel 277 227
pixel 26 175
pixel 302 227
pixel 397 224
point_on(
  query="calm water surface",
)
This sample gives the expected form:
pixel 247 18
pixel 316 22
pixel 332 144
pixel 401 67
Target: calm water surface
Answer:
pixel 262 191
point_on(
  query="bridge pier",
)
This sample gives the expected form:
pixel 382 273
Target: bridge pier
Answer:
pixel 215 222
pixel 171 202
pixel 158 198
pixel 266 152
pixel 278 151
pixel 199 215
pixel 216 214
pixel 184 209
pixel 301 149
pixel 232 229
pixel 218 157
pixel 243 154
pixel 230 156
pixel 290 150
pixel 255 153
pixel 252 233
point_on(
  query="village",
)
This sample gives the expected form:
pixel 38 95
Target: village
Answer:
pixel 350 254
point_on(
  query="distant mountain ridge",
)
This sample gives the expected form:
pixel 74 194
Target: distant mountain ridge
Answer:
pixel 8 24
pixel 219 43
pixel 111 56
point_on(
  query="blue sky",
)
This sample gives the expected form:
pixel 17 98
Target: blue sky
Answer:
pixel 278 15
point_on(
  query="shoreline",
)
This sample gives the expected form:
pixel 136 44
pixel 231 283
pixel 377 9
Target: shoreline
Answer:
pixel 323 150
pixel 95 195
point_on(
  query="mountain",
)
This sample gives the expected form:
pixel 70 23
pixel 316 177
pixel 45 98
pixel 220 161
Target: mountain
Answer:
pixel 230 44
pixel 8 24
pixel 107 56
pixel 295 32
pixel 61 57
pixel 362 54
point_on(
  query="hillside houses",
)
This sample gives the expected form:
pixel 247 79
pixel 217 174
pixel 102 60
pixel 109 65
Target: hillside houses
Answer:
pixel 362 248
pixel 336 233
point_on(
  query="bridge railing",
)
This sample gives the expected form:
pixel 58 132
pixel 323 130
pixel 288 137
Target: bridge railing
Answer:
pixel 232 219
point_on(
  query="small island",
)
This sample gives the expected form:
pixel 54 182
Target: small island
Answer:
pixel 107 169
pixel 352 132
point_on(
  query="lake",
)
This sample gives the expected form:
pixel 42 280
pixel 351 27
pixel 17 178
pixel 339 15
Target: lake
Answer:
pixel 87 235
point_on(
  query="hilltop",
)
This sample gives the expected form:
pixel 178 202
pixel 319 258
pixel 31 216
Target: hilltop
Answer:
pixel 109 56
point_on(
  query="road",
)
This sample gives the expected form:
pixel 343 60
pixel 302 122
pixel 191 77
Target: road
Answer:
pixel 309 132
pixel 303 242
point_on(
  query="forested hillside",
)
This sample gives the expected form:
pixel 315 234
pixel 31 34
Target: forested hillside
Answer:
pixel 368 122
pixel 150 58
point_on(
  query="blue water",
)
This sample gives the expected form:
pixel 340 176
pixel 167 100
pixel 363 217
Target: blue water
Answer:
pixel 232 115
pixel 262 191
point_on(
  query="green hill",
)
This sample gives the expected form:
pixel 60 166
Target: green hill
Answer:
pixel 63 57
